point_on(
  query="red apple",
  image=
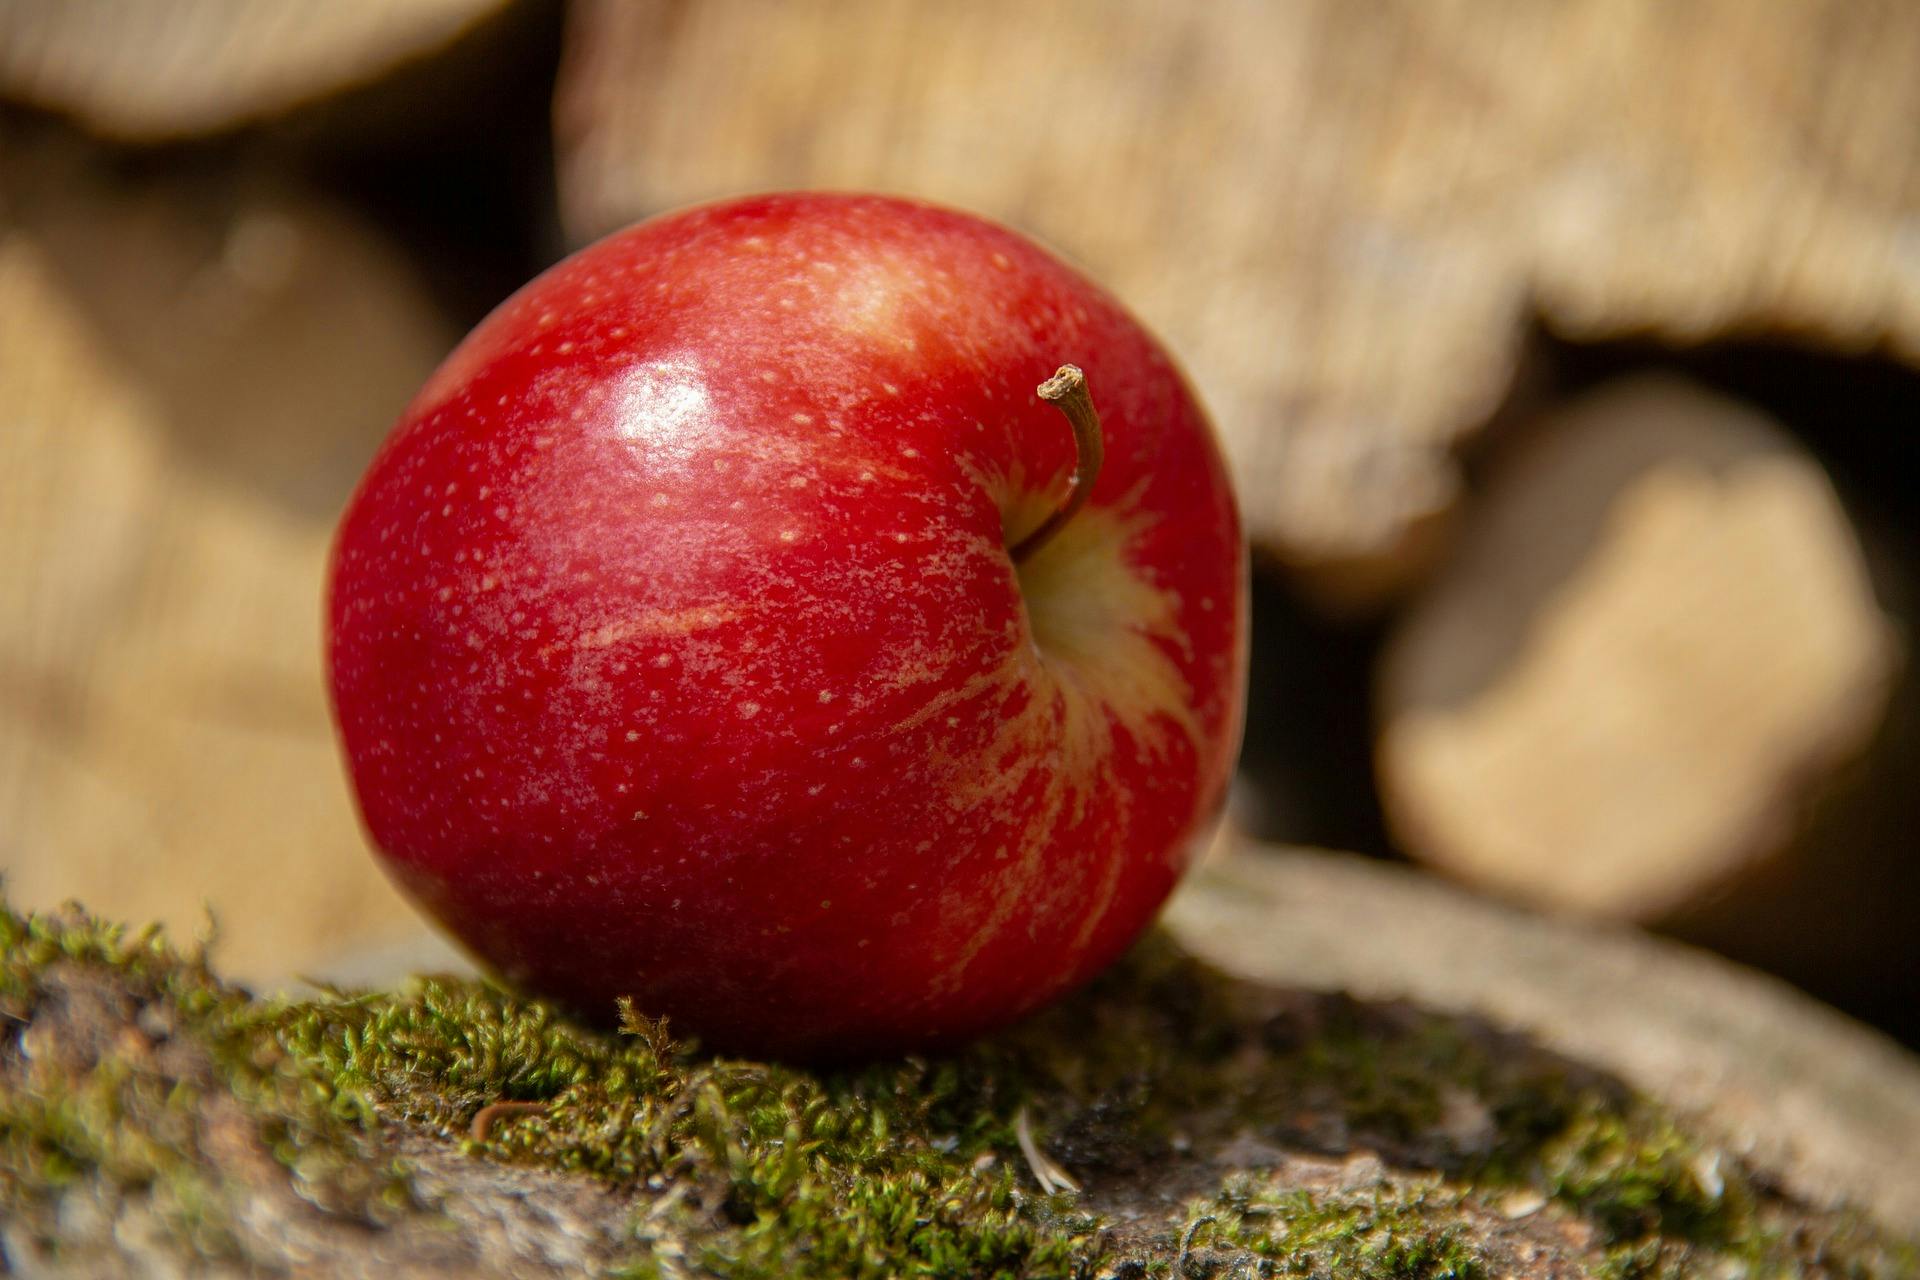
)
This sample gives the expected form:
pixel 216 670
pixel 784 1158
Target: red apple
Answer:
pixel 678 650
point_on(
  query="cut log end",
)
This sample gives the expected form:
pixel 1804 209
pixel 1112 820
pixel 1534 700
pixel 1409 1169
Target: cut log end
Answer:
pixel 155 72
pixel 1339 216
pixel 1656 646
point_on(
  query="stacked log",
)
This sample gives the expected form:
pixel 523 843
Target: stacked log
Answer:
pixel 161 72
pixel 1655 644
pixel 194 374
pixel 1343 217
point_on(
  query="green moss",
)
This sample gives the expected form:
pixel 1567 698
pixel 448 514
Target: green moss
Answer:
pixel 1372 1236
pixel 907 1168
pixel 131 1105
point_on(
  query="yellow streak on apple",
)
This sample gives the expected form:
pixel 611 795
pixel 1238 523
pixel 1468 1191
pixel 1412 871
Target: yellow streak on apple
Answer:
pixel 658 622
pixel 1094 657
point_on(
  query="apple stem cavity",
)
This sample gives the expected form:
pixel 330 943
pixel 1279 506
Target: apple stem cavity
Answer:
pixel 1066 390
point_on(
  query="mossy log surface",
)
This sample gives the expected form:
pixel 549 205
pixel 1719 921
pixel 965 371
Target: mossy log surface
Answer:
pixel 1829 1107
pixel 157 1121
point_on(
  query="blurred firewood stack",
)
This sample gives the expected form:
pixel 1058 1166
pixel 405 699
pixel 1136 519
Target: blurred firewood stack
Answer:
pixel 1341 217
pixel 1657 651
pixel 1654 646
pixel 196 360
pixel 194 374
pixel 143 72
pixel 1635 641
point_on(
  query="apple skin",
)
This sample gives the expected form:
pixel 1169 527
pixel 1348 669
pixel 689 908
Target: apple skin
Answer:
pixel 677 652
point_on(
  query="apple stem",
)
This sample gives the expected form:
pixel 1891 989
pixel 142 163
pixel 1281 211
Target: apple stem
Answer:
pixel 1066 391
